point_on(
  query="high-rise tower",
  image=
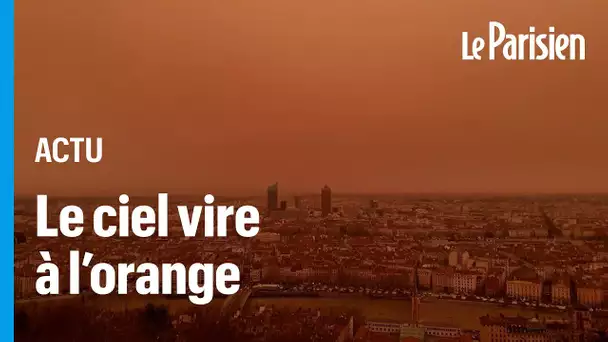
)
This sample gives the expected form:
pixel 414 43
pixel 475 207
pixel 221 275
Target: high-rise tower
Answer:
pixel 325 201
pixel 273 197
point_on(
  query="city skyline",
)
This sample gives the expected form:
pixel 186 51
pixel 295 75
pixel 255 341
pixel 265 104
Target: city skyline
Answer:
pixel 259 193
pixel 409 268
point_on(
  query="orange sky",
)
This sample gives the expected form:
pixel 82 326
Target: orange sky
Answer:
pixel 366 96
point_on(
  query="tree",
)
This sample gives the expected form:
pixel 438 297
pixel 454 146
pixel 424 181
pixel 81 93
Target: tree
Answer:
pixel 156 322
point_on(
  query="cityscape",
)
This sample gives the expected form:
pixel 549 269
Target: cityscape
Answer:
pixel 338 267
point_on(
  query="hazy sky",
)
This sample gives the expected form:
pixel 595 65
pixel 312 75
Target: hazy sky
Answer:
pixel 362 95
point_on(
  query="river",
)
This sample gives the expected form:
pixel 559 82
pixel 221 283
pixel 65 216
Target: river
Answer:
pixel 453 312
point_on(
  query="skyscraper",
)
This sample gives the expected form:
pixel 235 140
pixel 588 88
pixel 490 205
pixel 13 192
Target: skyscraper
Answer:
pixel 297 200
pixel 325 201
pixel 273 197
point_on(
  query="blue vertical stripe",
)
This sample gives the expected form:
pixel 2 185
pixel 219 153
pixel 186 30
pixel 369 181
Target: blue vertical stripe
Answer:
pixel 7 193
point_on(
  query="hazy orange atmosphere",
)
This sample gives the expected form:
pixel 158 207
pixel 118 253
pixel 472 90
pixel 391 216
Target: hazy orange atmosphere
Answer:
pixel 365 96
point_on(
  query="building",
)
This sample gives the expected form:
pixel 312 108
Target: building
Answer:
pixel 443 280
pixel 560 290
pixel 411 333
pixel 25 287
pixel 255 275
pixel 524 290
pixel 458 258
pixel 425 278
pixel 580 318
pixel 510 329
pixel 325 201
pixel 268 237
pixel 590 295
pixel 495 282
pixel 415 332
pixel 441 331
pixel 385 327
pixel 524 285
pixel 288 214
pixel 466 282
pixel 273 197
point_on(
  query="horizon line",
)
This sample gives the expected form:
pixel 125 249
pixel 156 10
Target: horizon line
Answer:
pixel 345 193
